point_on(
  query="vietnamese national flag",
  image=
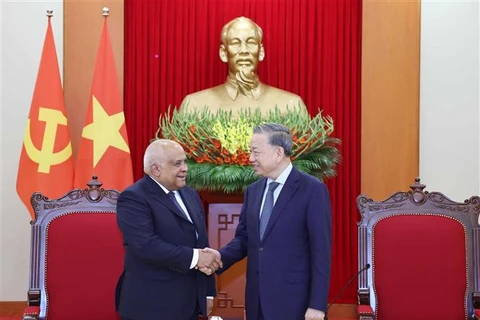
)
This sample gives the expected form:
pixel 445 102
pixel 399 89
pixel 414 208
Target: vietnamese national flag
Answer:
pixel 104 149
pixel 46 163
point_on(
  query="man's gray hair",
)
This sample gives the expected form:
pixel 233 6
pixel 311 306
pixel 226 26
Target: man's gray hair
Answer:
pixel 278 135
pixel 227 27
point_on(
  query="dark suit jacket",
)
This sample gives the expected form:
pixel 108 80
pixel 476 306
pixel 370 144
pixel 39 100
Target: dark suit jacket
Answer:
pixel 157 282
pixel 289 271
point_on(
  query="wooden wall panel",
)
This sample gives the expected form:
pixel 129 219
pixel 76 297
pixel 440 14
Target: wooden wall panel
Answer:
pixel 390 96
pixel 12 308
pixel 223 219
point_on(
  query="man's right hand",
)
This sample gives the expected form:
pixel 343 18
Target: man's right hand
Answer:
pixel 209 261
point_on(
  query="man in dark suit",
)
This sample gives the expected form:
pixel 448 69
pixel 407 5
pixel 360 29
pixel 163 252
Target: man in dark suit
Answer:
pixel 162 222
pixel 285 229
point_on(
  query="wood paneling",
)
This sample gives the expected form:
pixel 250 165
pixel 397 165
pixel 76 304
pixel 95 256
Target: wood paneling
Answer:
pixel 83 21
pixel 222 222
pixel 342 311
pixel 12 308
pixel 337 311
pixel 390 96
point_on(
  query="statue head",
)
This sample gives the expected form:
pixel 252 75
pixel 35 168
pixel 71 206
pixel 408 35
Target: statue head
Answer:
pixel 241 47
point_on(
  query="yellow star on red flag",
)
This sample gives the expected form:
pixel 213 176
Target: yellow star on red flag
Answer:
pixel 103 149
pixel 104 131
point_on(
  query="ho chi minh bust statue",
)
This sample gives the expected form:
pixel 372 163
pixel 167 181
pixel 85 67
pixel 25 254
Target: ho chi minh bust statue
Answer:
pixel 241 47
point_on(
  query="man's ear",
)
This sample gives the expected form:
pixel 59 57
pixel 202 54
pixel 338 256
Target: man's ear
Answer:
pixel 155 170
pixel 261 54
pixel 281 152
pixel 223 53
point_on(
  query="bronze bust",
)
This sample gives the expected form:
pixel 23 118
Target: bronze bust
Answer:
pixel 242 49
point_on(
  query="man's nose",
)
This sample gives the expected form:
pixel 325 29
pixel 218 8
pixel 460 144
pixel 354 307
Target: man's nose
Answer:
pixel 243 47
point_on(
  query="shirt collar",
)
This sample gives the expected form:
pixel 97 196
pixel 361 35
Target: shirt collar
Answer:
pixel 282 178
pixel 161 186
pixel 232 89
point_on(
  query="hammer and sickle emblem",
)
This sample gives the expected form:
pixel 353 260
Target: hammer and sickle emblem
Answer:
pixel 45 157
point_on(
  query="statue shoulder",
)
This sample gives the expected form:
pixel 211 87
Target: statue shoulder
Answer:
pixel 282 96
pixel 201 95
pixel 207 97
pixel 283 93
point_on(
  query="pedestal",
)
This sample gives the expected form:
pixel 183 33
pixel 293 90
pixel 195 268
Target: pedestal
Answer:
pixel 223 211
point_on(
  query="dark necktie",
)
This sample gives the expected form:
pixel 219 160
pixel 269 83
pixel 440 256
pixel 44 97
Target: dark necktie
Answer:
pixel 171 195
pixel 267 208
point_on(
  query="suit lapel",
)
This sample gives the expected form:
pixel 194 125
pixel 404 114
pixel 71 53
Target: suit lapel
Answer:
pixel 188 201
pixel 284 198
pixel 257 194
pixel 158 194
pixel 195 211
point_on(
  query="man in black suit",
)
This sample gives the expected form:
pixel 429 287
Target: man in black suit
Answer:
pixel 162 222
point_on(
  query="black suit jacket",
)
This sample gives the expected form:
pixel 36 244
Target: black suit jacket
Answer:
pixel 157 282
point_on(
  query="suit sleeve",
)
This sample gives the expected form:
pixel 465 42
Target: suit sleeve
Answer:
pixel 211 286
pixel 135 221
pixel 236 249
pixel 319 218
pixel 211 283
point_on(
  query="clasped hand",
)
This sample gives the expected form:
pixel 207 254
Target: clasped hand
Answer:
pixel 209 261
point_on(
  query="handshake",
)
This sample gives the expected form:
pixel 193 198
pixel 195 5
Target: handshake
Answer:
pixel 209 261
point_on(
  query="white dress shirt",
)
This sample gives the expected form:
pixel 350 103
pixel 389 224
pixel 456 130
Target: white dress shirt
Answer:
pixel 282 178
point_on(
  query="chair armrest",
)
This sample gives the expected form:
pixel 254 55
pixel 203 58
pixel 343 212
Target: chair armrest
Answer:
pixel 476 304
pixel 31 313
pixel 33 297
pixel 476 300
pixel 364 312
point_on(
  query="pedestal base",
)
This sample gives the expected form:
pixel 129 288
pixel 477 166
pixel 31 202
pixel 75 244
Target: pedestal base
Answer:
pixel 223 216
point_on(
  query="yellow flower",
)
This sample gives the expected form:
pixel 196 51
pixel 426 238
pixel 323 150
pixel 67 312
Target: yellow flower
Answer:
pixel 233 135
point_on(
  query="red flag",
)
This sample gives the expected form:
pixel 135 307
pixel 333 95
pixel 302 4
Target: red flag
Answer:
pixel 46 163
pixel 104 149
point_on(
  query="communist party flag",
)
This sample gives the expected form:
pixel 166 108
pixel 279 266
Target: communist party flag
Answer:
pixel 104 149
pixel 46 163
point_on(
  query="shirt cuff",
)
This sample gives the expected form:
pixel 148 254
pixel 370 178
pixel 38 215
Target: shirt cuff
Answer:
pixel 194 259
pixel 210 298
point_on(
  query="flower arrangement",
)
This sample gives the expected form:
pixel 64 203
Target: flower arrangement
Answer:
pixel 217 145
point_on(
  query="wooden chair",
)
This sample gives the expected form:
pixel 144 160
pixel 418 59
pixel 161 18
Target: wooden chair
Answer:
pixel 423 249
pixel 76 256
